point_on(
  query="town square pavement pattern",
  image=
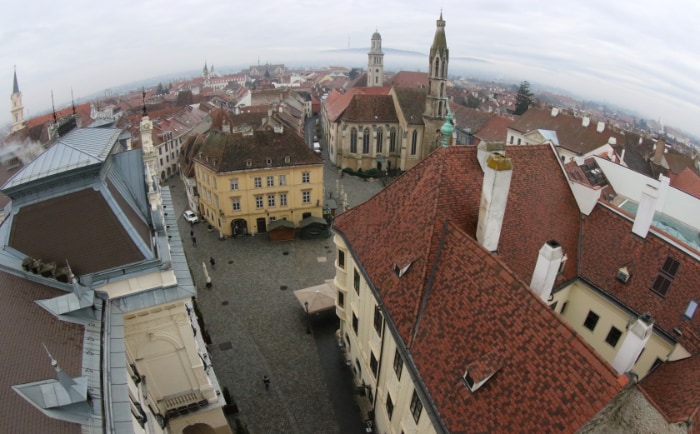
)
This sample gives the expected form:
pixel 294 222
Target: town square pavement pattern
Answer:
pixel 259 328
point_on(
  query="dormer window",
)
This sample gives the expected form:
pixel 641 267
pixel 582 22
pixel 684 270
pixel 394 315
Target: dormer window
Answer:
pixel 248 163
pixel 401 270
pixel 479 371
pixel 268 161
pixel 287 159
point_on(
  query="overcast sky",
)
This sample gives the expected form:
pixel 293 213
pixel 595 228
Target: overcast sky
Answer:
pixel 641 55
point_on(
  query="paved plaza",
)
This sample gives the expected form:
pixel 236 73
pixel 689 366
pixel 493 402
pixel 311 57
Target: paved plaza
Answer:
pixel 259 328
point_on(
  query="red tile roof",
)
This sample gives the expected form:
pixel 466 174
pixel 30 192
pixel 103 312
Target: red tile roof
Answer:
pixel 495 130
pixel 26 326
pixel 608 244
pixel 371 108
pixel 687 181
pixel 408 79
pixel 674 389
pixel 476 305
pixel 466 117
pixel 570 131
pixel 336 103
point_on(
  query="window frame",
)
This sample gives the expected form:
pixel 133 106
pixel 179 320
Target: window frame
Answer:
pixel 398 364
pixel 416 406
pixel 613 336
pixel 591 320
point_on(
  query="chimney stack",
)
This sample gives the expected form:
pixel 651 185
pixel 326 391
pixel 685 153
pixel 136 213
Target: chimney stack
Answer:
pixel 546 269
pixel 555 112
pixel 485 149
pixel 645 211
pixel 638 333
pixel 494 197
pixel 601 126
pixel 585 121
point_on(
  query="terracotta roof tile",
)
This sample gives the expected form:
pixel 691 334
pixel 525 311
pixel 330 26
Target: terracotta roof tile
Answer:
pixel 674 389
pixel 412 103
pixel 477 306
pixel 608 244
pixel 570 131
pixel 74 227
pixel 687 181
pixel 408 79
pixel 371 108
pixel 26 326
pixel 495 130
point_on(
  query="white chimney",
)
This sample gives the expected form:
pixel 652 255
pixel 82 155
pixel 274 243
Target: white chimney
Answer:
pixel 638 333
pixel 601 126
pixel 555 112
pixel 612 140
pixel 546 269
pixel 494 197
pixel 664 183
pixel 485 149
pixel 622 157
pixel 645 211
pixel 585 121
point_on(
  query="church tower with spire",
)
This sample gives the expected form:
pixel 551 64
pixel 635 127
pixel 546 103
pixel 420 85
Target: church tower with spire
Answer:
pixel 149 157
pixel 17 110
pixel 375 62
pixel 436 100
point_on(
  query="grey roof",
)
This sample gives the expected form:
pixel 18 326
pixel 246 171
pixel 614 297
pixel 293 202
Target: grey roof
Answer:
pixel 80 148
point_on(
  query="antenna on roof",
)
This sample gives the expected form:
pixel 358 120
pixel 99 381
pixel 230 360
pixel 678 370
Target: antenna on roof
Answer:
pixel 53 108
pixel 54 363
pixel 143 89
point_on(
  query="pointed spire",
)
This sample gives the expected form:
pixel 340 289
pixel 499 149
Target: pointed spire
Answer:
pixel 143 89
pixel 15 86
pixel 53 108
pixel 72 100
pixel 66 380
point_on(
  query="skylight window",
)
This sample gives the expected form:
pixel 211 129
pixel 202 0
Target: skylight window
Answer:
pixel 690 310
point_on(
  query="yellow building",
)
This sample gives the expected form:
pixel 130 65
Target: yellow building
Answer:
pixel 246 181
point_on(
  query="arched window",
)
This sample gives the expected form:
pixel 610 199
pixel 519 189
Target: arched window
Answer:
pixel 380 140
pixel 392 140
pixel 437 67
pixel 353 141
pixel 442 90
pixel 414 142
pixel 365 141
pixel 444 69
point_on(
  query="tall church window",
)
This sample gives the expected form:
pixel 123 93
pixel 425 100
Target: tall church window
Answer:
pixel 380 140
pixel 365 141
pixel 444 69
pixel 353 141
pixel 437 67
pixel 442 90
pixel 392 140
pixel 414 142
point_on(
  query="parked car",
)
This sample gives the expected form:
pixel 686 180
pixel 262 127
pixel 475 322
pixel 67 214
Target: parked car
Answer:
pixel 317 147
pixel 190 216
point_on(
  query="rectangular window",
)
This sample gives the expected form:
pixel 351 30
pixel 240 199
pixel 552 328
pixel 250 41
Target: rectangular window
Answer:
pixel 591 320
pixel 416 407
pixel 283 179
pixel 270 181
pixel 378 320
pixel 613 336
pixel 258 182
pixel 690 310
pixel 283 199
pixel 389 406
pixel 355 323
pixel 373 365
pixel 271 200
pixel 563 307
pixel 341 259
pixel 356 282
pixel 667 273
pixel 234 184
pixel 306 197
pixel 305 177
pixel 258 202
pixel 398 364
pixel 341 299
pixel 236 203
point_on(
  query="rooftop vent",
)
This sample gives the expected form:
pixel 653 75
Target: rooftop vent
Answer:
pixel 585 121
pixel 623 274
pixel 555 112
pixel 601 127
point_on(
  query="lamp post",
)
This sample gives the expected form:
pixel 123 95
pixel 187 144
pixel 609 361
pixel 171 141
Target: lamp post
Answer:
pixel 308 321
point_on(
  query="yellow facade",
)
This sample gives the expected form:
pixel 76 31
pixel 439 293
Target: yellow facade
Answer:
pixel 247 201
pixel 578 299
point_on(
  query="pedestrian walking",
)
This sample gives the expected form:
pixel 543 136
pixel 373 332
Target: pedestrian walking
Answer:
pixel 194 241
pixel 192 233
pixel 213 263
pixel 266 381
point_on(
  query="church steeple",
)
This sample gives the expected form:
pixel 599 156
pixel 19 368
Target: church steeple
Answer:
pixel 375 62
pixel 436 102
pixel 17 109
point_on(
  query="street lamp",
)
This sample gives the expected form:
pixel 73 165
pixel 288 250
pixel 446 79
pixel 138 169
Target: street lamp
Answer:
pixel 308 321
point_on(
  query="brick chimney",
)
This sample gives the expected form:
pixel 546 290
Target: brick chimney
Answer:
pixel 638 333
pixel 546 269
pixel 494 197
pixel 645 211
